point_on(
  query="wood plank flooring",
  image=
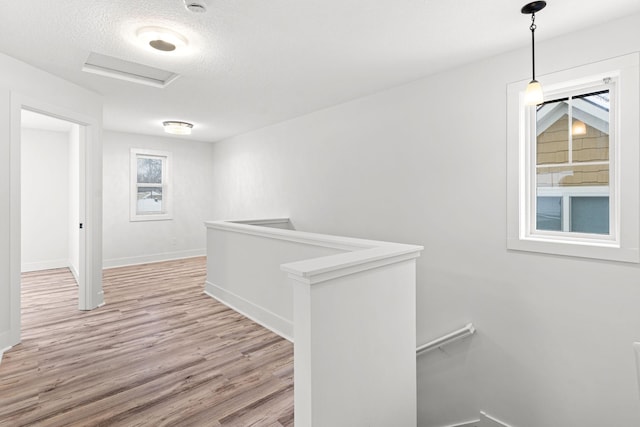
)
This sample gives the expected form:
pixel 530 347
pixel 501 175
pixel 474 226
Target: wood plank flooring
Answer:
pixel 159 353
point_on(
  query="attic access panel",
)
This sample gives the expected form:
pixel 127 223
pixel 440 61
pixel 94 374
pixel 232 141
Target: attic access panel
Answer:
pixel 116 68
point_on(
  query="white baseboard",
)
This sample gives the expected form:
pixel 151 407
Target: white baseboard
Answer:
pixel 636 346
pixel 260 315
pixel 2 352
pixel 73 271
pixel 100 299
pixel 144 259
pixel 489 421
pixel 44 265
pixel 485 420
pixel 473 423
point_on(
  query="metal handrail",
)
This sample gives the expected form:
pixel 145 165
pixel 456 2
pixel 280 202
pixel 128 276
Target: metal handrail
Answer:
pixel 446 339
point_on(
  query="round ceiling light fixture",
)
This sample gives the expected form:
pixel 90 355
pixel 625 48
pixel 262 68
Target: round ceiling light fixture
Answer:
pixel 177 127
pixel 195 6
pixel 161 39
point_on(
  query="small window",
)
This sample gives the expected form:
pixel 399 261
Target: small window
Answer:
pixel 150 189
pixel 573 148
pixel 572 163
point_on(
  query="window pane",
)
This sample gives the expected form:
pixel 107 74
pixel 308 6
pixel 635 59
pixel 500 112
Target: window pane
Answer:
pixel 563 149
pixel 552 130
pixel 590 215
pixel 549 213
pixel 149 200
pixel 590 129
pixel 149 171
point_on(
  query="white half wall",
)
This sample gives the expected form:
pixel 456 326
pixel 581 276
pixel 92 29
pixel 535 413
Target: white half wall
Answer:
pixel 135 242
pixel 45 199
pixel 426 163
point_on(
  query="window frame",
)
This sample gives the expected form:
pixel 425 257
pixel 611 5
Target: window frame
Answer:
pixel 621 244
pixel 165 157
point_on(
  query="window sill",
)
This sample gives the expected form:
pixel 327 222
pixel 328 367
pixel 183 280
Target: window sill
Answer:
pixel 163 217
pixel 610 251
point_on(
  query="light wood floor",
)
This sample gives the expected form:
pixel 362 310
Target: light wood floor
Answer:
pixel 160 353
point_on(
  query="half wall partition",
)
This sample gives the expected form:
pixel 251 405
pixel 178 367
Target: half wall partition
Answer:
pixel 347 304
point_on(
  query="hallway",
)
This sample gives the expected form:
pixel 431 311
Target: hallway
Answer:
pixel 159 353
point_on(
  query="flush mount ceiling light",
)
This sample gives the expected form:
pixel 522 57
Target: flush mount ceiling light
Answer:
pixel 177 128
pixel 195 6
pixel 161 39
pixel 533 95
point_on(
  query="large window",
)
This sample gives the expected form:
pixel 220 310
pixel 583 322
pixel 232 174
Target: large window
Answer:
pixel 150 188
pixel 573 163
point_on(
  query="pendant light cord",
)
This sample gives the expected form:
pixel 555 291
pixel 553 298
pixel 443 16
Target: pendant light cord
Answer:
pixel 533 45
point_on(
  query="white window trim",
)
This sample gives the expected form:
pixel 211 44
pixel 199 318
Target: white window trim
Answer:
pixel 166 186
pixel 624 241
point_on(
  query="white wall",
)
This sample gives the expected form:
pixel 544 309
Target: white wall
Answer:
pixel 127 242
pixel 45 199
pixel 22 85
pixel 425 163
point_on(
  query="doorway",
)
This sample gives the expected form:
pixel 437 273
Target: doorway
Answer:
pixel 52 202
pixel 68 103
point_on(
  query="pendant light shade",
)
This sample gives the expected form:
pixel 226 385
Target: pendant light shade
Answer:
pixel 534 94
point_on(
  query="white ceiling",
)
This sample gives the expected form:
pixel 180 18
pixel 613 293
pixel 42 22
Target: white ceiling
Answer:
pixel 251 63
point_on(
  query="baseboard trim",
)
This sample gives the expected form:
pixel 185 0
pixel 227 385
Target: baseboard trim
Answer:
pixel 473 423
pixel 74 272
pixel 100 299
pixel 258 314
pixel 145 259
pixel 3 351
pixel 636 346
pixel 485 420
pixel 490 421
pixel 44 265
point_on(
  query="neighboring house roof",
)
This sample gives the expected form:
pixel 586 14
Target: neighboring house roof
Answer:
pixel 592 109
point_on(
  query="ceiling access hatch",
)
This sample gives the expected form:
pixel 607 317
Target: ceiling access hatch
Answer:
pixel 129 71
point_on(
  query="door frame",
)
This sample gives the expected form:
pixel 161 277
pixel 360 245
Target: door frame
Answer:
pixel 90 293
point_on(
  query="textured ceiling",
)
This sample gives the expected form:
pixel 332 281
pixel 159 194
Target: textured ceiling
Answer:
pixel 251 63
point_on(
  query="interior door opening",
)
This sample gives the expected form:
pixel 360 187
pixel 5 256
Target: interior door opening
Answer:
pixel 52 195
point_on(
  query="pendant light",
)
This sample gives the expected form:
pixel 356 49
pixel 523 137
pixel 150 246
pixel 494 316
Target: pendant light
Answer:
pixel 533 95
